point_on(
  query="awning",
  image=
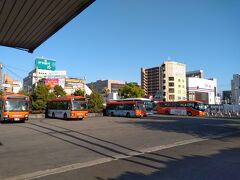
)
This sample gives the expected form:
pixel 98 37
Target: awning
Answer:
pixel 26 24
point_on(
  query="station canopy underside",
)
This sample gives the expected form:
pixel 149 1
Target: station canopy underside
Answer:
pixel 26 24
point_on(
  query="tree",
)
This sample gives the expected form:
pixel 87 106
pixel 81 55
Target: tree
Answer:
pixel 59 91
pixel 40 96
pixel 79 92
pixel 131 90
pixel 95 102
pixel 24 93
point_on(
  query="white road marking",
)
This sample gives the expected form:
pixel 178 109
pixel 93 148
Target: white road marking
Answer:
pixel 47 172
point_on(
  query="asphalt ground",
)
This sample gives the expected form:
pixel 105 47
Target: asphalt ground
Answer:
pixel 212 159
pixel 45 148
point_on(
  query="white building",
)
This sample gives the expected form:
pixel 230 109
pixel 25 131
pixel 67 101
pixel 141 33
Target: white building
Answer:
pixel 235 84
pixel 37 75
pixel 204 90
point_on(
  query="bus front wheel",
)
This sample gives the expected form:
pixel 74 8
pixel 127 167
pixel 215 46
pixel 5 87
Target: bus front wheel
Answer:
pixel 128 115
pixel 112 114
pixel 53 115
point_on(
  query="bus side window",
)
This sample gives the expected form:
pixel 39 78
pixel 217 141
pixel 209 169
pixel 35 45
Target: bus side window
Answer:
pixel 190 104
pixel 68 105
pixel 65 105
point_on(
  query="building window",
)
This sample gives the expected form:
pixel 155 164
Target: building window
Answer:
pixel 171 97
pixel 179 86
pixel 171 78
pixel 164 81
pixel 179 91
pixel 183 86
pixel 171 90
pixel 179 98
pixel 164 87
pixel 179 80
pixel 171 84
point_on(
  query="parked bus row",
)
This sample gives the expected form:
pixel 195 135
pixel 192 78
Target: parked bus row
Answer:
pixel 131 108
pixel 15 107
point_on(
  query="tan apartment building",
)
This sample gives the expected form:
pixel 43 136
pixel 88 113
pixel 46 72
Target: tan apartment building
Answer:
pixel 10 85
pixel 166 82
pixel 173 81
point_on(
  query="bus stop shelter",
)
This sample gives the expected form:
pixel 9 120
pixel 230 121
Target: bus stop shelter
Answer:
pixel 26 24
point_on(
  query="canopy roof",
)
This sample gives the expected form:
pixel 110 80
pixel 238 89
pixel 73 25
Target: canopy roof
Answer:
pixel 26 24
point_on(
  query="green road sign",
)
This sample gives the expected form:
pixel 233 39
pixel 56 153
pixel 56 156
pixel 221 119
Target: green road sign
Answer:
pixel 45 64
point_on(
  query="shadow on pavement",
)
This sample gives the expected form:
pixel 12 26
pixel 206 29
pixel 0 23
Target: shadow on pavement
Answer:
pixel 222 165
pixel 107 148
pixel 200 127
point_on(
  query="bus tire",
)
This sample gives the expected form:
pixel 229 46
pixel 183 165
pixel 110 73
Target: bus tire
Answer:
pixel 53 115
pixel 189 113
pixel 65 116
pixel 112 114
pixel 128 115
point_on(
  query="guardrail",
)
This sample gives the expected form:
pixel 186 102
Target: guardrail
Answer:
pixel 35 116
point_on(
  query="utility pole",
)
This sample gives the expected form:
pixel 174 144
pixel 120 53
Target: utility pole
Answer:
pixel 1 76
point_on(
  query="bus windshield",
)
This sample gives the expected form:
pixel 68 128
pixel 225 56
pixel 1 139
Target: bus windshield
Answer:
pixel 148 105
pixel 16 106
pixel 140 107
pixel 79 105
pixel 200 106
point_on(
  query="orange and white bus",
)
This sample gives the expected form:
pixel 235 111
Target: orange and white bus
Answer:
pixel 190 108
pixel 68 107
pixel 14 107
pixel 147 103
pixel 126 108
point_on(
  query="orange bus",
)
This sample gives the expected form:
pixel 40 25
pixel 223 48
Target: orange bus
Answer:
pixel 190 108
pixel 14 107
pixel 126 108
pixel 68 107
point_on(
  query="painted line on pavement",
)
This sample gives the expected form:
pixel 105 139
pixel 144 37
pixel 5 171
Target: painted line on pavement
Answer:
pixel 43 173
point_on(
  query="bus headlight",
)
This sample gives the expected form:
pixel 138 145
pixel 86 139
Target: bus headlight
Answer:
pixel 26 116
pixel 5 117
pixel 72 114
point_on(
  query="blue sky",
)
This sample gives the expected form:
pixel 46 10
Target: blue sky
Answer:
pixel 113 39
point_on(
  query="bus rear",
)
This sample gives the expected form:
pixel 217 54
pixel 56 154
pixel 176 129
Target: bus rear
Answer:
pixel 14 107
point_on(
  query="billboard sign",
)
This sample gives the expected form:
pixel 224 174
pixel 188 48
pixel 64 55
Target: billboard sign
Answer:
pixel 45 64
pixel 6 85
pixel 57 74
pixel 52 82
